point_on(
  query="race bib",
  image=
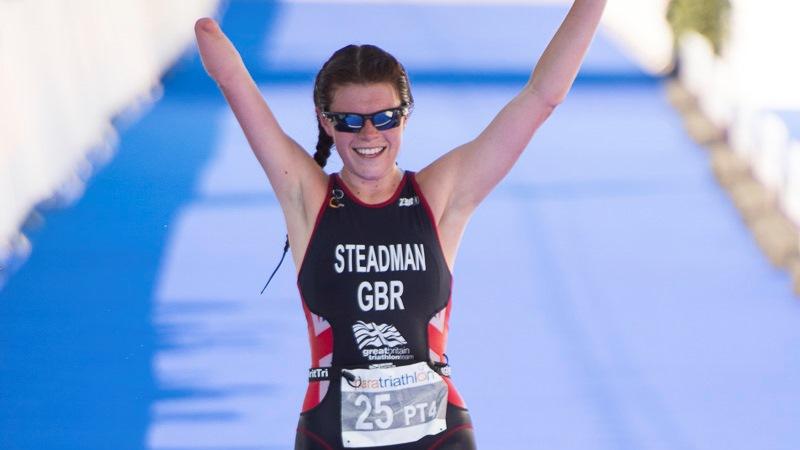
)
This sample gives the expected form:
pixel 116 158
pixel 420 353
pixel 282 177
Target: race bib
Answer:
pixel 392 405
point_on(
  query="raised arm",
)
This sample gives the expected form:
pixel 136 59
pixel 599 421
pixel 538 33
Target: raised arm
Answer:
pixel 298 181
pixel 458 181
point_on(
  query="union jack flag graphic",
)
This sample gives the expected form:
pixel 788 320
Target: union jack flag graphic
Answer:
pixel 375 335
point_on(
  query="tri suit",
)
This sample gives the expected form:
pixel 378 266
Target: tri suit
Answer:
pixel 375 288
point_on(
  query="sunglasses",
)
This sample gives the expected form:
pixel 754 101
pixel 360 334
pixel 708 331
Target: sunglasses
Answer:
pixel 353 123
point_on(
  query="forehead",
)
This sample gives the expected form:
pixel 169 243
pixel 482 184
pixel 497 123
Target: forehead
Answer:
pixel 364 98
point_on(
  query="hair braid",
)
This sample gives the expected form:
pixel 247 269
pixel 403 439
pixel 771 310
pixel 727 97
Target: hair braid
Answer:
pixel 324 144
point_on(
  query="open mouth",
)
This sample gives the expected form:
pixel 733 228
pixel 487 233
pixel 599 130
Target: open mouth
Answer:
pixel 369 152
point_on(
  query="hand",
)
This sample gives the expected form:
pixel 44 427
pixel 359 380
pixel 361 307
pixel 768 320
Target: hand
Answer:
pixel 220 58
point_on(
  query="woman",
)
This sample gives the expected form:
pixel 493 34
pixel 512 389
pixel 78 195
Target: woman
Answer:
pixel 374 245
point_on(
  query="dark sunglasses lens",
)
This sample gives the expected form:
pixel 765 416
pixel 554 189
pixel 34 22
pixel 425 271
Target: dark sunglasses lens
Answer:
pixel 351 122
pixel 385 120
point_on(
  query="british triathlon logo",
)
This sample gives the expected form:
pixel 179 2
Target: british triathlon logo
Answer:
pixel 380 342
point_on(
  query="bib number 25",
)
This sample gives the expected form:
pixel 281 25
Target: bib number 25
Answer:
pixel 381 409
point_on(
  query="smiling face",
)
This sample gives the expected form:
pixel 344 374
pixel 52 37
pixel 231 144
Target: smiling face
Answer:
pixel 369 154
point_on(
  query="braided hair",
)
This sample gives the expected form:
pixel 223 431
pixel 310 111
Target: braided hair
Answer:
pixel 355 64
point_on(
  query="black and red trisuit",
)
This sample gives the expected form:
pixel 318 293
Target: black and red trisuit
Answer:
pixel 376 290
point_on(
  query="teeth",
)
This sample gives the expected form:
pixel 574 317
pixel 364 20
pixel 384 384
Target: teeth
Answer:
pixel 368 151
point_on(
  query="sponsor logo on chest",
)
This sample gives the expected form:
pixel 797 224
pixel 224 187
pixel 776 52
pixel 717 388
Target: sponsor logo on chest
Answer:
pixel 408 201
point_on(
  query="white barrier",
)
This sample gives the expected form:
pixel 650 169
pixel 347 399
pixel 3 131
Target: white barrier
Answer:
pixel 741 90
pixel 68 68
pixel 791 201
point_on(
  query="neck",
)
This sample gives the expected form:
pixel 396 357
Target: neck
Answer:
pixel 372 191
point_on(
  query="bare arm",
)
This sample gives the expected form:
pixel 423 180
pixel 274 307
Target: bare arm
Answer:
pixel 298 181
pixel 458 181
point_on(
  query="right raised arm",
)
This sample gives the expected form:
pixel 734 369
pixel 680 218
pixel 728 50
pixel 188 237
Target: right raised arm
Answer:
pixel 298 181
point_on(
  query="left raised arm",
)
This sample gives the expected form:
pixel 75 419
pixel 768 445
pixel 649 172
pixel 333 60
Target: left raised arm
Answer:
pixel 458 181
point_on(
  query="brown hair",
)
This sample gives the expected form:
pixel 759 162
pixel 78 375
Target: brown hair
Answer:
pixel 355 64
